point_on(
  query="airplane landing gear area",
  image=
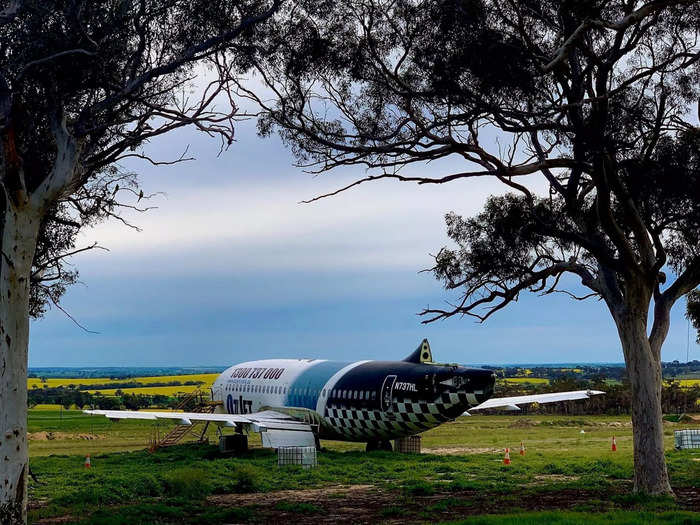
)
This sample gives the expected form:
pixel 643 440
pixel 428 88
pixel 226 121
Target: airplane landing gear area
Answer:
pixel 233 443
pixel 379 445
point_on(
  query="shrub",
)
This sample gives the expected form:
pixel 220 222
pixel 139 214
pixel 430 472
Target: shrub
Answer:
pixel 243 479
pixel 192 483
pixel 418 487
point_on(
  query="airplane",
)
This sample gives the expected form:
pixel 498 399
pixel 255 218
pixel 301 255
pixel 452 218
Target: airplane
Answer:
pixel 298 402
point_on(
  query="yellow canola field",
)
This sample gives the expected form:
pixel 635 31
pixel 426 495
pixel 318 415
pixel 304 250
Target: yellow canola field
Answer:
pixel 689 382
pixel 206 379
pixel 533 380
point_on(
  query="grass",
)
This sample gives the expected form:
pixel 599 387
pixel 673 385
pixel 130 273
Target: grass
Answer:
pixel 462 457
pixel 579 518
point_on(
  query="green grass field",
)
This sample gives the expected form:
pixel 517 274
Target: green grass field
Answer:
pixel 565 476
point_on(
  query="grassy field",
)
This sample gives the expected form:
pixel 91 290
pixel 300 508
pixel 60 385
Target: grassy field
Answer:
pixel 565 477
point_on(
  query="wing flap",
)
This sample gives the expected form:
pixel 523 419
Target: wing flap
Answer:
pixel 511 403
pixel 287 438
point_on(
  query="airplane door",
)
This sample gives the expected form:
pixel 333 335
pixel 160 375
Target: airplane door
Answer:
pixel 387 393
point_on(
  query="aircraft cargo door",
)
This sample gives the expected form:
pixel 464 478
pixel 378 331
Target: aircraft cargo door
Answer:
pixel 387 393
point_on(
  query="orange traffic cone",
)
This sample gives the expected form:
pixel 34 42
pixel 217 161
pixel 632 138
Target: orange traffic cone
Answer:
pixel 522 449
pixel 87 461
pixel 614 445
pixel 506 458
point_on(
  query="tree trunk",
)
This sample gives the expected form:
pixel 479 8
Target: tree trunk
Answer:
pixel 19 235
pixel 644 370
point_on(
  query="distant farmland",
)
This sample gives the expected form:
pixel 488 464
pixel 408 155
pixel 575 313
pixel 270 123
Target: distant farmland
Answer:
pixel 147 383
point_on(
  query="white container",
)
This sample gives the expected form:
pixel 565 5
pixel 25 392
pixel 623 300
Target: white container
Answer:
pixel 304 456
pixel 687 439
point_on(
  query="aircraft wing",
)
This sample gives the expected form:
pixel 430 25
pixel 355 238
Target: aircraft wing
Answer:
pixel 511 403
pixel 276 429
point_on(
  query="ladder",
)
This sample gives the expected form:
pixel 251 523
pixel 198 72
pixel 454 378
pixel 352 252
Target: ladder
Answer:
pixel 180 431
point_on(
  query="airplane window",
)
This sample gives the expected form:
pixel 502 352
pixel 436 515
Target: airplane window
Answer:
pixel 362 394
pixel 345 394
pixel 374 395
pixel 367 395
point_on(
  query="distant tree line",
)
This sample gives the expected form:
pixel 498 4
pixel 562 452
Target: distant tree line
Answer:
pixel 131 384
pixel 675 399
pixel 68 397
pixel 591 372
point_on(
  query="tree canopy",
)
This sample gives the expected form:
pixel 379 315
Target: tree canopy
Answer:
pixel 99 80
pixel 586 111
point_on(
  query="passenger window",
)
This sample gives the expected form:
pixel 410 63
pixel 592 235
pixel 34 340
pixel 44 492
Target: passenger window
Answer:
pixel 374 395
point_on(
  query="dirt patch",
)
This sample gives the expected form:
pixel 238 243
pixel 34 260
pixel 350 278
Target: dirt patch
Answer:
pixel 546 478
pixel 301 496
pixel 457 451
pixel 49 436
pixel 369 503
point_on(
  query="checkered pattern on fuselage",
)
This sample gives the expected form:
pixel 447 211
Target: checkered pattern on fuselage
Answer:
pixel 407 417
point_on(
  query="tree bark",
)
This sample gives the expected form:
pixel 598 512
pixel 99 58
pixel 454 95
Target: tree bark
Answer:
pixel 644 371
pixel 19 234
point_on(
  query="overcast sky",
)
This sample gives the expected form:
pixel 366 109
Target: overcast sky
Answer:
pixel 231 268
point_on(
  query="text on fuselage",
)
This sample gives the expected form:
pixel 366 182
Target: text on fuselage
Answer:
pixel 256 373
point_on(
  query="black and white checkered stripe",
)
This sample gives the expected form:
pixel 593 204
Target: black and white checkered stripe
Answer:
pixel 407 417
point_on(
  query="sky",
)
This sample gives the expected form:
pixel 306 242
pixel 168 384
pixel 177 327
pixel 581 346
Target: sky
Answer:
pixel 230 267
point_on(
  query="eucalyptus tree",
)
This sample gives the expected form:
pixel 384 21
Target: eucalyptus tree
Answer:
pixel 83 85
pixel 584 110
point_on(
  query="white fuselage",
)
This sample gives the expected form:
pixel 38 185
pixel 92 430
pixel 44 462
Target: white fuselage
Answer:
pixel 358 401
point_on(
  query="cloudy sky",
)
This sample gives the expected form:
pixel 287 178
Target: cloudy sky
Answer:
pixel 230 267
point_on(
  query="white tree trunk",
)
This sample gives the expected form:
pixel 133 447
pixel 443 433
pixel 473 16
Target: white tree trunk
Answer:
pixel 19 236
pixel 644 370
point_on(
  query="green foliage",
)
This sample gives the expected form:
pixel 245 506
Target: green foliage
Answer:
pixel 243 479
pixel 577 518
pixel 187 482
pixel 418 487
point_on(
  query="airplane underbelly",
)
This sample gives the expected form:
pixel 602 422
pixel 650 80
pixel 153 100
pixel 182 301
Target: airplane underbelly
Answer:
pixel 406 417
